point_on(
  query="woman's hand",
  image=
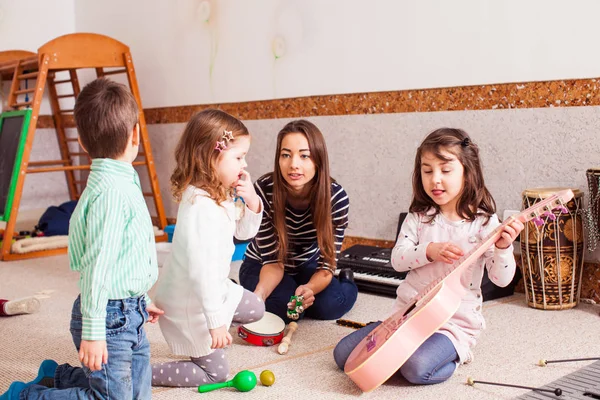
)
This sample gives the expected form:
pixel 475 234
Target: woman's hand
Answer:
pixel 245 189
pixel 307 293
pixel 444 252
pixel 509 234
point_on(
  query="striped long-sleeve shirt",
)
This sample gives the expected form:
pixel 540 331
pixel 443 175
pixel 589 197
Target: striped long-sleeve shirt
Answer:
pixel 111 242
pixel 302 235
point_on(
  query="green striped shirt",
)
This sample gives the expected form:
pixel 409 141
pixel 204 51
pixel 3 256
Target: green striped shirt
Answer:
pixel 111 242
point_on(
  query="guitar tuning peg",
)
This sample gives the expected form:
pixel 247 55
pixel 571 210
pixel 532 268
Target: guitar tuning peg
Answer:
pixel 538 221
pixel 550 215
pixel 562 209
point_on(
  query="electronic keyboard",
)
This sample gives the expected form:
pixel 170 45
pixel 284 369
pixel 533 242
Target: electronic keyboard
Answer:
pixel 372 269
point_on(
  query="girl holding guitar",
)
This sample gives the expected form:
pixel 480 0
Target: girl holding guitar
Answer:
pixel 450 213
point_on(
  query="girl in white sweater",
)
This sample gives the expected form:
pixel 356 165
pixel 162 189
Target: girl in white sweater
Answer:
pixel 452 211
pixel 198 298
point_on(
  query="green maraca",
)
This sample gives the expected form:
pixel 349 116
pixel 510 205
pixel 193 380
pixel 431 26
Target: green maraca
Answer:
pixel 244 381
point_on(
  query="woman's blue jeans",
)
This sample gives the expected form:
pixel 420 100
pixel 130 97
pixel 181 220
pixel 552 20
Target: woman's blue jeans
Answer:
pixel 336 300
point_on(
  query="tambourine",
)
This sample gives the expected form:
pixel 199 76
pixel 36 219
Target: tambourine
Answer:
pixel 295 307
pixel 265 332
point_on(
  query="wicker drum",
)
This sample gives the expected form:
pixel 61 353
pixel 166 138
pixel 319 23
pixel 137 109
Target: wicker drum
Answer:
pixel 552 254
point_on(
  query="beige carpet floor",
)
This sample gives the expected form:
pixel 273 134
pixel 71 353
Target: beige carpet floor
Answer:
pixel 516 338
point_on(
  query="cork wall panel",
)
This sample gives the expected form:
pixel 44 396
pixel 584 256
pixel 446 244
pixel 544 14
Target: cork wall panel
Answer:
pixel 563 93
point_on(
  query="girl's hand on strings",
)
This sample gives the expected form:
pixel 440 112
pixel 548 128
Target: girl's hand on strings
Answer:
pixel 444 252
pixel 509 234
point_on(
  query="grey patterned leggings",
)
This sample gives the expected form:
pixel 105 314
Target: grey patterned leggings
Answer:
pixel 213 367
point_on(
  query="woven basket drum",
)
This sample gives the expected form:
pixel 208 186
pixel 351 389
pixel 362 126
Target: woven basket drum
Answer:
pixel 552 254
pixel 592 215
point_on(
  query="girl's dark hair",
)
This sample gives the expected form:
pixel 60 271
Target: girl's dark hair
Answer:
pixel 320 195
pixel 475 199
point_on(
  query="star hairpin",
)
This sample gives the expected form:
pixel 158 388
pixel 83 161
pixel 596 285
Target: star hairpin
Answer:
pixel 227 135
pixel 221 145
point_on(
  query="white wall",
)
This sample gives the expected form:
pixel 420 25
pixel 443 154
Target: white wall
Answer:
pixel 28 24
pixel 342 46
pixel 209 51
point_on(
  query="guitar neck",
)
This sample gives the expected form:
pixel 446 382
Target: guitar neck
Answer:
pixel 532 212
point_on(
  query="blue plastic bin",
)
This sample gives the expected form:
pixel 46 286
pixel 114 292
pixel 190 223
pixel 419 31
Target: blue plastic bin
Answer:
pixel 169 230
pixel 240 250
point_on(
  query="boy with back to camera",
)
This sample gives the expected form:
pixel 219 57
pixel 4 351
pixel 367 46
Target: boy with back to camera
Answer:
pixel 111 245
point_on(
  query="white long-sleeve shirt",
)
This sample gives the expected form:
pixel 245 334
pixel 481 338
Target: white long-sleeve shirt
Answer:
pixel 193 287
pixel 409 254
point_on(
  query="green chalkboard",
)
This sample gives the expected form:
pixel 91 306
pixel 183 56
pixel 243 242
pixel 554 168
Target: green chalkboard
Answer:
pixel 13 135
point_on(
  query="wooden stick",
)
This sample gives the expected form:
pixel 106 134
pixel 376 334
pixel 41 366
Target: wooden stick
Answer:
pixel 285 342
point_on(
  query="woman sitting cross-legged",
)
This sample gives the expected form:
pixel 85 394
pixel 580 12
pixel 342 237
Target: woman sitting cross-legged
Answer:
pixel 304 220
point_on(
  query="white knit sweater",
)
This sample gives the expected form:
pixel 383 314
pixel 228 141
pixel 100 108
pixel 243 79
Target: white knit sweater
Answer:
pixel 193 287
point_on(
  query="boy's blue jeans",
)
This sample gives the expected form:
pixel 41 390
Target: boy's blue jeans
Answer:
pixel 127 375
pixel 336 300
pixel 433 362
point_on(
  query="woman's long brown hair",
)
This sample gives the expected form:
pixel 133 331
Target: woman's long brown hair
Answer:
pixel 320 193
pixel 474 196
pixel 196 156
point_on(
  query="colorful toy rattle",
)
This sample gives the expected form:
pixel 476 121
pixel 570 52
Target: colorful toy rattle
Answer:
pixel 295 307
pixel 244 381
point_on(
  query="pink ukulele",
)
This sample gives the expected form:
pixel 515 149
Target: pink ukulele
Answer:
pixel 389 345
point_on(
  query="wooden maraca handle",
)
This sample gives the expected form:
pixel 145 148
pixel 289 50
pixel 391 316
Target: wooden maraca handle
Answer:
pixel 285 342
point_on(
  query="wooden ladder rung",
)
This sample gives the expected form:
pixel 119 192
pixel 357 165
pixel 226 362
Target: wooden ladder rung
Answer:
pixel 72 139
pixel 49 162
pixel 62 96
pixel 25 91
pixel 55 169
pixel 30 61
pixel 28 75
pixel 62 81
pixel 26 103
pixel 8 67
pixel 78 154
pixel 115 72
pixel 69 168
pixel 65 111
